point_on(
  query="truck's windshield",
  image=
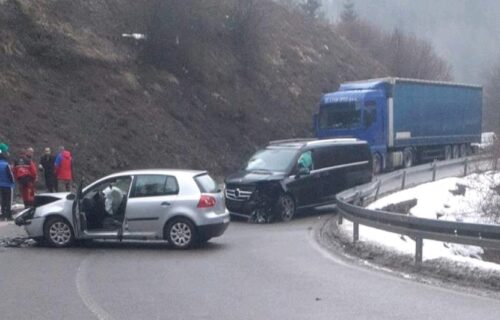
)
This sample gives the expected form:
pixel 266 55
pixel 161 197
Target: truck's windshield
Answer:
pixel 271 160
pixel 339 115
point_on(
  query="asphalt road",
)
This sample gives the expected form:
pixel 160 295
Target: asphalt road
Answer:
pixel 272 271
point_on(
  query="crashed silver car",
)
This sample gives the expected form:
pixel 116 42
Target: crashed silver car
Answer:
pixel 183 207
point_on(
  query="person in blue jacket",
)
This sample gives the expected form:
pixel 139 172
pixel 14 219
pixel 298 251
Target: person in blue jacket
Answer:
pixel 6 183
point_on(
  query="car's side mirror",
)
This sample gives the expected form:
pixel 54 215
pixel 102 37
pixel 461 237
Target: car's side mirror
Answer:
pixel 302 172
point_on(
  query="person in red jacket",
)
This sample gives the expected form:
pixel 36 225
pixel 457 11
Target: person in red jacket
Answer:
pixel 25 173
pixel 63 167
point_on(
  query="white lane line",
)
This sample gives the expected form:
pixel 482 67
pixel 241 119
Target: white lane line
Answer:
pixel 84 291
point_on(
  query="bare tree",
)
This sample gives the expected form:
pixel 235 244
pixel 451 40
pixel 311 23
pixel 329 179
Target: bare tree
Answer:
pixel 403 55
pixel 491 112
pixel 348 14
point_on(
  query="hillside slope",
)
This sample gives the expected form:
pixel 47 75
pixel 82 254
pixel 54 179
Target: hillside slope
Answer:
pixel 198 101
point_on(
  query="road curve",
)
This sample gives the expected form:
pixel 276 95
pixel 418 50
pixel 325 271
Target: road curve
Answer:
pixel 273 271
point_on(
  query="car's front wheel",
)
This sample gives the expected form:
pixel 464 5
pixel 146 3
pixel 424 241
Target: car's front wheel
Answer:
pixel 58 233
pixel 180 233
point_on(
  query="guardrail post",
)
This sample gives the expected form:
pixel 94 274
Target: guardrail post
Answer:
pixel 340 220
pixel 355 232
pixel 357 199
pixel 495 163
pixel 403 180
pixel 434 167
pixel 466 162
pixel 418 250
pixel 379 184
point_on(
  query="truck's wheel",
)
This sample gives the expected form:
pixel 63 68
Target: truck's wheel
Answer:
pixel 377 163
pixel 407 157
pixel 463 150
pixel 456 152
pixel 447 152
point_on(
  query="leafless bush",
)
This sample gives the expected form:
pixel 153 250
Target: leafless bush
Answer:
pixel 244 23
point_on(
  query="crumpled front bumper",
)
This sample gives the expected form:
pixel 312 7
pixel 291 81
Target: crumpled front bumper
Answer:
pixel 24 217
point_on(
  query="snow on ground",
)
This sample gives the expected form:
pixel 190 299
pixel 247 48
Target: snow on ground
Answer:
pixel 436 201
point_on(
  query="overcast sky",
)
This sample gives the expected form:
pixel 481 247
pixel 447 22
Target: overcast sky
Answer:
pixel 464 32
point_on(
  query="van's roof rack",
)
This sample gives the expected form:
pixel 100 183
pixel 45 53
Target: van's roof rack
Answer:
pixel 312 141
pixel 291 140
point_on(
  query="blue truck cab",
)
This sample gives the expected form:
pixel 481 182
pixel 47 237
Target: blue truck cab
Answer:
pixel 404 121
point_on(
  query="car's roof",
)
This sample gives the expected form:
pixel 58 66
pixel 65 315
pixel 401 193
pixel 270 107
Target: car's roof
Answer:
pixel 300 143
pixel 174 172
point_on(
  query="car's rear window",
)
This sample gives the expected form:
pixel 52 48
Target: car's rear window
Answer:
pixel 206 184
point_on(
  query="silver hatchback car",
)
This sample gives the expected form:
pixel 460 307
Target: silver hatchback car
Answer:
pixel 183 207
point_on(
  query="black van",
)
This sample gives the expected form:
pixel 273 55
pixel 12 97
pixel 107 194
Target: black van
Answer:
pixel 292 174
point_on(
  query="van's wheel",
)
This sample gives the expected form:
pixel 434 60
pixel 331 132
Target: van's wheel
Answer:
pixel 180 233
pixel 377 163
pixel 447 152
pixel 58 233
pixel 407 157
pixel 286 207
pixel 456 152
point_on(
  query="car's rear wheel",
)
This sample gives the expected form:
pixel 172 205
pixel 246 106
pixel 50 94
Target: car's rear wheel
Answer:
pixel 58 233
pixel 180 233
pixel 286 207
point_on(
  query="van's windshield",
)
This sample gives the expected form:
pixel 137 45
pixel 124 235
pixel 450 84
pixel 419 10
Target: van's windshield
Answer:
pixel 271 160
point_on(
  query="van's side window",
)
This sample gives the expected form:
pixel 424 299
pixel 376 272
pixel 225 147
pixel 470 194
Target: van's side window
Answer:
pixel 305 161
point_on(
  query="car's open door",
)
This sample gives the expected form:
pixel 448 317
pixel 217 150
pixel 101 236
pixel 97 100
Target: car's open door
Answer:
pixel 77 217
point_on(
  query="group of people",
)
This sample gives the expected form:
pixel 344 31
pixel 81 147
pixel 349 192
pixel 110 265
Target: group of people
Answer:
pixel 23 172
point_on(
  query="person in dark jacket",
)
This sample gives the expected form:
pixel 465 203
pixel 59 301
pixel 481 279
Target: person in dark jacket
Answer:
pixel 63 167
pixel 47 166
pixel 26 175
pixel 6 183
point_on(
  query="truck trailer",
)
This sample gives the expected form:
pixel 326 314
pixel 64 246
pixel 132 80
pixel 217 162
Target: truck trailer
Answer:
pixel 405 121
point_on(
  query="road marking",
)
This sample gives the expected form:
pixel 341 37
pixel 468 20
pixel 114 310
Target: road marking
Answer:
pixel 84 291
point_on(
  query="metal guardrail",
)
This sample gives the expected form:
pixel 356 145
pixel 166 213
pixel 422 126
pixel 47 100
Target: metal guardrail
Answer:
pixel 350 204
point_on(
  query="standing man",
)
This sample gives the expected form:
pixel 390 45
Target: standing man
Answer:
pixel 6 183
pixel 63 167
pixel 25 174
pixel 47 166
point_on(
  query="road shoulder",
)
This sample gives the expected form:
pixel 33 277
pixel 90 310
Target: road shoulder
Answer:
pixel 439 272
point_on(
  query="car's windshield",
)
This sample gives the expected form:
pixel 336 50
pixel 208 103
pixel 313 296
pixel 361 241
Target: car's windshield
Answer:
pixel 271 160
